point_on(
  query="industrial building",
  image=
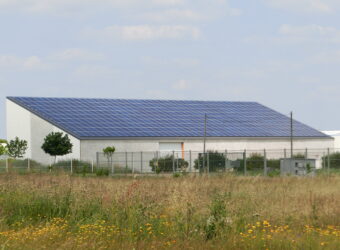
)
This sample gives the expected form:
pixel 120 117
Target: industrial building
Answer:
pixel 153 125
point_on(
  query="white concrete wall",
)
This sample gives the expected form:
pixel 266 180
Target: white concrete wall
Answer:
pixel 39 129
pixel 336 135
pixel 18 124
pixel 33 129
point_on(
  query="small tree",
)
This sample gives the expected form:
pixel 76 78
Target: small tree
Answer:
pixel 17 148
pixel 108 152
pixel 57 144
pixel 3 149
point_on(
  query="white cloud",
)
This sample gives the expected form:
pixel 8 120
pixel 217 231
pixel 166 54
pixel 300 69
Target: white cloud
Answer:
pixel 173 15
pixel 294 34
pixel 171 62
pixel 181 85
pixel 319 6
pixel 327 57
pixel 308 30
pixel 80 5
pixel 75 54
pixel 145 32
pixel 95 72
pixel 10 62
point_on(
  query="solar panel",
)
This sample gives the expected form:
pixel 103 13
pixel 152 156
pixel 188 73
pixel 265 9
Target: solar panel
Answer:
pixel 89 118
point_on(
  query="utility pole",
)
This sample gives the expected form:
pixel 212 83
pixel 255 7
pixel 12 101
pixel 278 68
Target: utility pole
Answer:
pixel 204 140
pixel 291 135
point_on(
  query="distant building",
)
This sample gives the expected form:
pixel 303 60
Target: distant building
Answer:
pixel 153 125
pixel 336 135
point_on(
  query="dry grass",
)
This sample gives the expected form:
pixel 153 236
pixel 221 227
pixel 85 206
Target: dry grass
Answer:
pixel 60 211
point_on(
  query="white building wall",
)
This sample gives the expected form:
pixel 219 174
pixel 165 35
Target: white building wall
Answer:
pixel 28 126
pixel 18 124
pixel 90 147
pixel 336 135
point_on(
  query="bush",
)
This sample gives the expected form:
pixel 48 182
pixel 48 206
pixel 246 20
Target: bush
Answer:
pixel 256 161
pixel 334 160
pixel 167 163
pixel 16 163
pixel 216 161
pixel 79 167
pixel 102 172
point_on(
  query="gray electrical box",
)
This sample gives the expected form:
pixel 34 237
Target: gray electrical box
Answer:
pixel 298 167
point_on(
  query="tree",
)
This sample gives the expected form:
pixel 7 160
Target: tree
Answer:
pixel 57 144
pixel 17 148
pixel 108 152
pixel 3 148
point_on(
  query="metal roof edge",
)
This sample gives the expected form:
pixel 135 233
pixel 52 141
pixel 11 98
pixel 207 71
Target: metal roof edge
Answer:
pixel 201 138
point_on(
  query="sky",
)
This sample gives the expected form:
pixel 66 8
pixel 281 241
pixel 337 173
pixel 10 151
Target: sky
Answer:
pixel 284 54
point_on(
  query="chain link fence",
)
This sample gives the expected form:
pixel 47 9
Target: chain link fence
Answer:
pixel 249 162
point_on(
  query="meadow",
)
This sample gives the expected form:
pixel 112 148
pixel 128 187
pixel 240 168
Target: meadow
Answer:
pixel 60 211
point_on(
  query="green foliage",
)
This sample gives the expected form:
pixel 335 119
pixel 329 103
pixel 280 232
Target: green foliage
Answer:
pixel 217 222
pixel 3 149
pixel 167 163
pixel 334 159
pixel 57 144
pixel 108 151
pixel 176 175
pixel 299 156
pixel 216 161
pixel 102 172
pixel 256 162
pixel 78 167
pixel 17 148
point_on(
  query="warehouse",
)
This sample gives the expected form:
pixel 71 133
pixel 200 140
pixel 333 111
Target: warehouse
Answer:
pixel 153 125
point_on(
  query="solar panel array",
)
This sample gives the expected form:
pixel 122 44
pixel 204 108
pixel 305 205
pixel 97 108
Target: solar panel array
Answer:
pixel 86 118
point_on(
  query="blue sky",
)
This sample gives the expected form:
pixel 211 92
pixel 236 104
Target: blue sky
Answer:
pixel 282 53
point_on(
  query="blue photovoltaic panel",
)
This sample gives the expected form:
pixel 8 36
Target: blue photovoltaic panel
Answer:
pixel 89 118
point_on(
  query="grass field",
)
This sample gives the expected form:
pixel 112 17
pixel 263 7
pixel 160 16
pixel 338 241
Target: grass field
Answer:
pixel 42 211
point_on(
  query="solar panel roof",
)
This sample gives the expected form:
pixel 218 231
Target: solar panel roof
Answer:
pixel 111 118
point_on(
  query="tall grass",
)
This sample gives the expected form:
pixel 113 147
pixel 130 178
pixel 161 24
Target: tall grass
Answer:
pixel 199 212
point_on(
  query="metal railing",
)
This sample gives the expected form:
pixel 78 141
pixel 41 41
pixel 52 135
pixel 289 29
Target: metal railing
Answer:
pixel 245 162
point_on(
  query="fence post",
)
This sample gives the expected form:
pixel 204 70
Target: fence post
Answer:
pixel 141 162
pixel 157 160
pixel 7 170
pixel 133 165
pixel 190 164
pixel 173 161
pixel 328 161
pixel 245 162
pixel 92 167
pixel 97 159
pixel 28 164
pixel 225 160
pixel 208 163
pixel 285 153
pixel 306 153
pixel 71 166
pixel 265 163
pixel 112 166
pixel 126 161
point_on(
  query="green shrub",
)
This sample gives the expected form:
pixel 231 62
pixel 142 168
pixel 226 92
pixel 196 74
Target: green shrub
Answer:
pixel 176 175
pixel 256 161
pixel 216 161
pixel 102 172
pixel 79 167
pixel 334 159
pixel 167 163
